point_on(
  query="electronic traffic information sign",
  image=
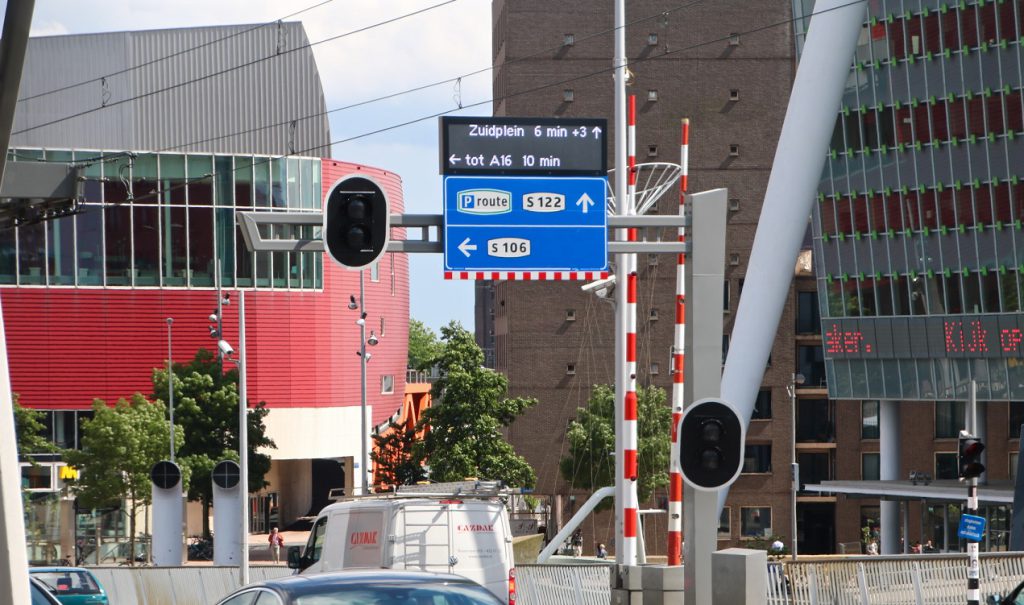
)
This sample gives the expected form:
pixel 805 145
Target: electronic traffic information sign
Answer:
pixel 924 337
pixel 525 224
pixel 524 146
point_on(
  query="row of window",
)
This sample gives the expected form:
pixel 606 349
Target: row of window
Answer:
pixel 755 522
pixel 940 210
pixel 157 220
pixel 949 419
pixel 945 468
pixel 923 31
pixel 928 293
pixel 929 379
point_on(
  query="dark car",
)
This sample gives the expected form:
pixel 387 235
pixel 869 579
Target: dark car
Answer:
pixel 384 587
pixel 71 585
pixel 40 596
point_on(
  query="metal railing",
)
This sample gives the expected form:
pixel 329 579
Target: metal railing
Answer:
pixel 563 584
pixel 895 580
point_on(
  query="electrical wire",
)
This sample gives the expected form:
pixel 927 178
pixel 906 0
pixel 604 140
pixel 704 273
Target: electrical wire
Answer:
pixel 515 94
pixel 172 55
pixel 230 69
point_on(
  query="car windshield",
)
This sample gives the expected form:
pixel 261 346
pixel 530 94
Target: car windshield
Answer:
pixel 67 582
pixel 420 594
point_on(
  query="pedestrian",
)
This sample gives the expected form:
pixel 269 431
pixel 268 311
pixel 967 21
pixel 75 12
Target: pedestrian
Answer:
pixel 929 547
pixel 872 548
pixel 602 552
pixel 276 542
pixel 577 543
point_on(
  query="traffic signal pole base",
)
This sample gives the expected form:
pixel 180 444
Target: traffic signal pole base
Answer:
pixel 700 539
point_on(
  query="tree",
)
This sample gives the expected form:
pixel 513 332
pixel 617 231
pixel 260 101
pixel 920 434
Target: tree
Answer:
pixel 206 407
pixel 120 445
pixel 395 459
pixel 463 426
pixel 590 463
pixel 424 347
pixel 28 431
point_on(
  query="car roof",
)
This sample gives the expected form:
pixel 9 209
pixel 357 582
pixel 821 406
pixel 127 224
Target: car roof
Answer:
pixel 316 582
pixel 58 568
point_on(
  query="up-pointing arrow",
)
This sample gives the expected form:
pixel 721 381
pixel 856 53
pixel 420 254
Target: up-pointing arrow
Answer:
pixel 585 201
pixel 465 247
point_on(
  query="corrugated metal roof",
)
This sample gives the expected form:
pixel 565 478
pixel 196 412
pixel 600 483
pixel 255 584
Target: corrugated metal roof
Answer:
pixel 269 78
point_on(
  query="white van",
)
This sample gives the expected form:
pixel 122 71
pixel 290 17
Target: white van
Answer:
pixel 465 535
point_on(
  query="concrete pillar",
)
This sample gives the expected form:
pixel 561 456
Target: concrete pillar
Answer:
pixel 889 470
pixel 739 576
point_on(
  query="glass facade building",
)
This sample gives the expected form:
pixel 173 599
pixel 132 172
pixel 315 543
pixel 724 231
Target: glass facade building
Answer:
pixel 919 222
pixel 161 219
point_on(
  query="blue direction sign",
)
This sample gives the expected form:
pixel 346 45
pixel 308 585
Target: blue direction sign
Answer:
pixel 972 527
pixel 525 224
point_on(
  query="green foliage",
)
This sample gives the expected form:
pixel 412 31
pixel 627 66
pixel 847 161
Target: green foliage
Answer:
pixel 120 445
pixel 395 459
pixel 424 347
pixel 28 431
pixel 467 415
pixel 591 463
pixel 206 408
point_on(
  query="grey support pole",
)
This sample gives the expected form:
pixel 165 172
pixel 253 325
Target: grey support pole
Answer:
pixel 243 442
pixel 973 566
pixel 13 558
pixel 889 470
pixel 705 268
pixel 799 158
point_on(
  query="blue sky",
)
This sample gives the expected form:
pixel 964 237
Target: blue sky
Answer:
pixel 438 44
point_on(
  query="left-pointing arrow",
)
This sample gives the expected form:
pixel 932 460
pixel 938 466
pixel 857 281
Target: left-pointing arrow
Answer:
pixel 454 159
pixel 465 247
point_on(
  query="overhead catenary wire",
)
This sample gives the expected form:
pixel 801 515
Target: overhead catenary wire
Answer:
pixel 170 56
pixel 492 100
pixel 203 78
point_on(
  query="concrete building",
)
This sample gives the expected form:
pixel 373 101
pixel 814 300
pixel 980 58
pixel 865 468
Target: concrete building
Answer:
pixel 553 341
pixel 177 131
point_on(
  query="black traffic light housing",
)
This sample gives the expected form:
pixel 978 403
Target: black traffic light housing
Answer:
pixel 711 437
pixel 970 449
pixel 357 223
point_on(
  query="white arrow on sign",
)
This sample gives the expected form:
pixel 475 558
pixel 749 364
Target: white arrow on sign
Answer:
pixel 585 201
pixel 596 131
pixel 465 247
pixel 453 159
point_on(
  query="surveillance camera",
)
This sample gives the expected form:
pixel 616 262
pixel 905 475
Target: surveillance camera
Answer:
pixel 602 287
pixel 372 340
pixel 225 348
pixel 213 317
pixel 352 302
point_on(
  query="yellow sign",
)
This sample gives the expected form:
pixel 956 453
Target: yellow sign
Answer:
pixel 68 473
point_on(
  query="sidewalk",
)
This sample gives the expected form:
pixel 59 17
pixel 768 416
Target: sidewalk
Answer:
pixel 259 547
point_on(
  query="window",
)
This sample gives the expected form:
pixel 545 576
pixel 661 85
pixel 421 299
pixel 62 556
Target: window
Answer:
pixel 869 420
pixel 734 94
pixel 1016 418
pixel 1013 465
pixel 756 522
pixel 808 321
pixel 652 151
pixel 734 39
pixel 814 421
pixel 757 458
pixel 568 39
pixel 725 524
pixel 570 315
pixel 870 466
pixel 734 204
pixel 570 369
pixel 375 272
pixel 725 296
pixel 653 315
pixel 725 347
pixel 949 419
pixel 734 150
pixel 568 95
pixel 37 477
pixel 655 369
pixel 383 325
pixel 315 543
pixel 811 363
pixel 387 384
pixel 946 465
pixel 652 95
pixel 763 405
pixel 652 39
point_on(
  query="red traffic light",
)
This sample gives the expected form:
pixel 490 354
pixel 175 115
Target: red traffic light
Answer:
pixel 970 457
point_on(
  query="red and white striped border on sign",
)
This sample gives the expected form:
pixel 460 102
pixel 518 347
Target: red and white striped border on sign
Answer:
pixel 528 275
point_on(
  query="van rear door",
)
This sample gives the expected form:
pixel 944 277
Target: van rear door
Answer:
pixel 479 532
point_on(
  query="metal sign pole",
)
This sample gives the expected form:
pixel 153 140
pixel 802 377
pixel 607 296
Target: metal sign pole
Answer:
pixel 973 565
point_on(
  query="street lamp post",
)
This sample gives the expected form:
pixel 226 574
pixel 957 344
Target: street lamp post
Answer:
pixel 243 435
pixel 795 381
pixel 364 357
pixel 170 383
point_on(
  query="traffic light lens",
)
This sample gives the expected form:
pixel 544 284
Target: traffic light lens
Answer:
pixel 711 431
pixel 711 459
pixel 357 208
pixel 973 449
pixel 357 237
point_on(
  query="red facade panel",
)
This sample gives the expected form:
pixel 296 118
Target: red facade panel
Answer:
pixel 68 346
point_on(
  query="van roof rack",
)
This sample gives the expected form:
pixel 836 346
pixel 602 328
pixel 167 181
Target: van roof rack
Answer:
pixel 469 488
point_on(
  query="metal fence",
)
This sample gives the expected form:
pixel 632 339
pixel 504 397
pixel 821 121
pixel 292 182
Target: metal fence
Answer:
pixel 563 584
pixel 190 585
pixel 896 580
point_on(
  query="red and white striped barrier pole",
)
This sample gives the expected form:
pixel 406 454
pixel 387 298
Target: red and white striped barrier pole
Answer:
pixel 675 474
pixel 631 504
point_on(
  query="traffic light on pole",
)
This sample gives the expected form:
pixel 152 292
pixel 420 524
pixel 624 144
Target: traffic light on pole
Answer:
pixel 356 222
pixel 711 439
pixel 970 457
